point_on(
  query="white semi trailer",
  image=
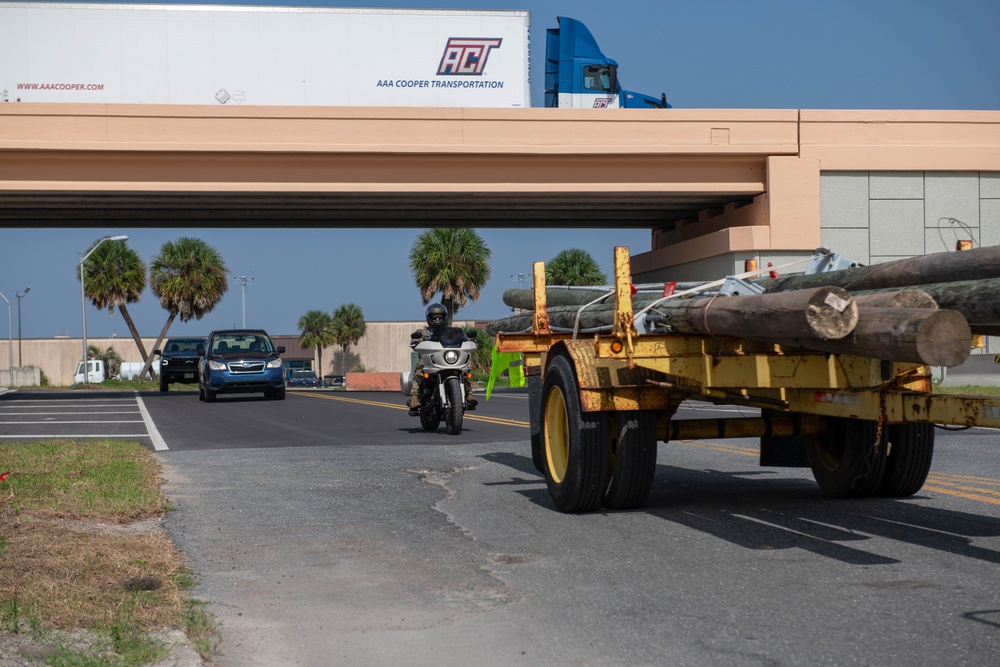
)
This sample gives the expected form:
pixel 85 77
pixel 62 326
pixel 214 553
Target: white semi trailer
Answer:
pixel 294 56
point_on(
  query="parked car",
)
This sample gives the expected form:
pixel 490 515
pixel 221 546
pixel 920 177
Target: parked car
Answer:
pixel 240 361
pixel 303 379
pixel 179 361
pixel 334 381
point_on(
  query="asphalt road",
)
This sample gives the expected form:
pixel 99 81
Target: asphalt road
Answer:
pixel 330 529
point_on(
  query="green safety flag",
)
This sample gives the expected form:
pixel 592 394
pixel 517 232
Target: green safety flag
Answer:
pixel 505 361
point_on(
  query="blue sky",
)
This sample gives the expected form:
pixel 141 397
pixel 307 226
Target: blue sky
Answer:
pixel 833 54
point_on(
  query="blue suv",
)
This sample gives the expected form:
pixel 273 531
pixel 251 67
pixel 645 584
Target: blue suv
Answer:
pixel 240 361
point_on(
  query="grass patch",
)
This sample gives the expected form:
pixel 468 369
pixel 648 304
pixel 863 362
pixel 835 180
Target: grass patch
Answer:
pixel 85 569
pixel 126 385
pixel 972 390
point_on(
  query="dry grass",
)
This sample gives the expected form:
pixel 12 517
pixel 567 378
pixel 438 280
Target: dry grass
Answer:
pixel 80 542
pixel 68 578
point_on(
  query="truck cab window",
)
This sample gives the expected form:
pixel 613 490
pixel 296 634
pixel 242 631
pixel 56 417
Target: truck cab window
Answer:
pixel 596 78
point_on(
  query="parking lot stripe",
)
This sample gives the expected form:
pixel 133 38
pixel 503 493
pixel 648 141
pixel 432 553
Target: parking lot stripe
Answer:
pixel 158 444
pixel 78 421
pixel 74 436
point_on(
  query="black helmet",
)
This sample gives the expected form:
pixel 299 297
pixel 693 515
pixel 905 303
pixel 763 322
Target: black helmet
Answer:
pixel 437 315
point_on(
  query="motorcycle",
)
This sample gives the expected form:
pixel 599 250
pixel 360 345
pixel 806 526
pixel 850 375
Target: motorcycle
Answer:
pixel 446 358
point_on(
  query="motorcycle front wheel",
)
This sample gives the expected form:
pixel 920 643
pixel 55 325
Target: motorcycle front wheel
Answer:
pixel 455 410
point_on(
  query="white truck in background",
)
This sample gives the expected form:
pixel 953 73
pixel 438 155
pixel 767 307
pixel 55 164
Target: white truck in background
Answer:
pixel 295 56
pixel 97 372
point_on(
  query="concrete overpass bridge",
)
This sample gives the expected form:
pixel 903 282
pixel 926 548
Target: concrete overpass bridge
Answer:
pixel 715 187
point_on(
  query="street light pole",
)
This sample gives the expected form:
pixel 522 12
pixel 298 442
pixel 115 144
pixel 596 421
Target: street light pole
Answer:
pixel 83 300
pixel 10 341
pixel 20 359
pixel 243 281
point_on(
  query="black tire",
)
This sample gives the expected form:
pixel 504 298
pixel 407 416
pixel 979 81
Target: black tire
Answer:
pixel 576 442
pixel 163 385
pixel 848 460
pixel 908 462
pixel 633 459
pixel 430 420
pixel 279 394
pixel 209 397
pixel 455 411
pixel 535 422
pixel 201 394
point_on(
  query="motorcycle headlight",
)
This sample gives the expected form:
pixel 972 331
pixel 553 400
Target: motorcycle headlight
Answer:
pixel 450 356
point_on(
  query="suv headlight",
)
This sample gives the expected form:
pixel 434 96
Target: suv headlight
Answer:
pixel 274 363
pixel 164 362
pixel 216 366
pixel 450 357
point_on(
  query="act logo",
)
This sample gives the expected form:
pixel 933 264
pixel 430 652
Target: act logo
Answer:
pixel 466 56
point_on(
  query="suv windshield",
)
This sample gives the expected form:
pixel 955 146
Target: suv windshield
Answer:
pixel 180 345
pixel 228 344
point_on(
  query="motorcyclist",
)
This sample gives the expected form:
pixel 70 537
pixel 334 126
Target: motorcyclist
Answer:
pixel 437 317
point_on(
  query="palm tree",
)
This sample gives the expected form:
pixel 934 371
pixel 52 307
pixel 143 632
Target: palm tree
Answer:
pixel 189 279
pixel 112 360
pixel 317 331
pixel 454 262
pixel 116 276
pixel 574 267
pixel 348 327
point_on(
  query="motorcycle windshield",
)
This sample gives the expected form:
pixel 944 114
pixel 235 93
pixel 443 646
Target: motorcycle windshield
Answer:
pixel 450 337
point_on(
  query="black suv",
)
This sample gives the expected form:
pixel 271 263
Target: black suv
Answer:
pixel 240 361
pixel 179 361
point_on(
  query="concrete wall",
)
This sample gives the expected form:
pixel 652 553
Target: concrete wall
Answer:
pixel 384 348
pixel 879 216
pixel 23 377
pixel 58 358
pixel 978 369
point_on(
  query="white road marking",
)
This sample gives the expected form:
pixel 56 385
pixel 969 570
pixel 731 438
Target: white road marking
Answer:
pixel 158 443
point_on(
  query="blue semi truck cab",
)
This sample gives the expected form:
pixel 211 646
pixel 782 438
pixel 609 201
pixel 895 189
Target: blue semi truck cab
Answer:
pixel 578 74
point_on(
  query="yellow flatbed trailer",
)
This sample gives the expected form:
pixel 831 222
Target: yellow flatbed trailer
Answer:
pixel 599 405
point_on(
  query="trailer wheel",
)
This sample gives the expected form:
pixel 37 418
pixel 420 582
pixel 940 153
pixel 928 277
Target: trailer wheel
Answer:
pixel 535 422
pixel 909 459
pixel 576 450
pixel 633 459
pixel 848 460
